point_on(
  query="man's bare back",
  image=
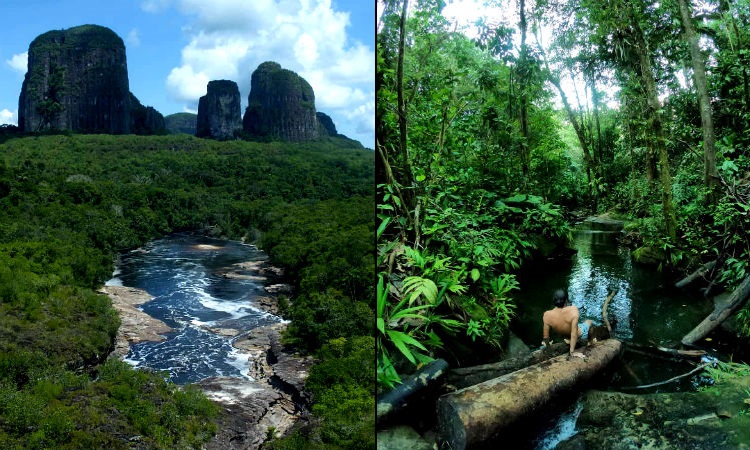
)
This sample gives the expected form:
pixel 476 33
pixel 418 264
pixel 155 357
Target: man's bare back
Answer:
pixel 563 319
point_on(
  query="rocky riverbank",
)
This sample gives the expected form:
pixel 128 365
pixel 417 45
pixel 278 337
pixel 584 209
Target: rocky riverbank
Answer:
pixel 135 325
pixel 268 403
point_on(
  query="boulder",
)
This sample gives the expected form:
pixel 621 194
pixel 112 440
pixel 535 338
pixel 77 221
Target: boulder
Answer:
pixel 219 111
pixel 401 437
pixel 710 419
pixel 77 80
pixel 648 255
pixel 281 105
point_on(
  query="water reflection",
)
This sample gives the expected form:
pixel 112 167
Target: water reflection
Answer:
pixel 644 310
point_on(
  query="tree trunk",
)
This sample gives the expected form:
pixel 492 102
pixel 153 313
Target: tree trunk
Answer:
pixel 710 174
pixel 659 137
pixel 469 376
pixel 733 303
pixel 706 268
pixel 523 80
pixel 479 414
pixel 398 398
pixel 596 104
pixel 591 171
pixel 400 95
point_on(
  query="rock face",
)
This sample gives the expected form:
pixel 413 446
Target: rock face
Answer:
pixel 281 105
pixel 327 128
pixel 181 123
pixel 77 80
pixel 219 111
pixel 326 125
pixel 145 119
pixel 273 399
pixel 250 410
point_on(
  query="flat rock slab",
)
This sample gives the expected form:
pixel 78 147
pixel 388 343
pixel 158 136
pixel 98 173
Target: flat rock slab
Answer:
pixel 604 224
pixel 135 325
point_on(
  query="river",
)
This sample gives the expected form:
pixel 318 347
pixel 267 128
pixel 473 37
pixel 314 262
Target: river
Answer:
pixel 186 276
pixel 647 310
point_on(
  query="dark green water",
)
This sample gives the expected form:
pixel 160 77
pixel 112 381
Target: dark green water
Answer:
pixel 647 309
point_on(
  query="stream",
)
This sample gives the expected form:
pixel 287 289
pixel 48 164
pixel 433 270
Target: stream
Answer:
pixel 184 275
pixel 646 310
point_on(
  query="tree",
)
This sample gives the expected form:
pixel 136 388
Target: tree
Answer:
pixel 710 174
pixel 655 122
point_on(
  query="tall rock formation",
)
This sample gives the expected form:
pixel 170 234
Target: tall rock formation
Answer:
pixel 326 124
pixel 181 123
pixel 219 111
pixel 281 105
pixel 145 119
pixel 77 80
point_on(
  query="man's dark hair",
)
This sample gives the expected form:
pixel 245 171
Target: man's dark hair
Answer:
pixel 560 297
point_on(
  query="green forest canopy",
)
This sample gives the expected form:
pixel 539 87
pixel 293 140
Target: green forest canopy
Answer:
pixel 484 152
pixel 71 202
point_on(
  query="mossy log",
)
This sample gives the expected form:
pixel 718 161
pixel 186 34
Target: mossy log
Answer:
pixel 735 300
pixel 468 376
pixel 398 398
pixel 700 273
pixel 478 415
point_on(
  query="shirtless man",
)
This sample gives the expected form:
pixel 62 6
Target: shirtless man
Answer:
pixel 563 319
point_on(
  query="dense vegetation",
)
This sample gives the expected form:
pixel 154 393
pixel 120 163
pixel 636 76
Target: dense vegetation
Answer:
pixel 71 202
pixel 489 141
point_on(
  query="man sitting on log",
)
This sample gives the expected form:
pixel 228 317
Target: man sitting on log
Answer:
pixel 563 319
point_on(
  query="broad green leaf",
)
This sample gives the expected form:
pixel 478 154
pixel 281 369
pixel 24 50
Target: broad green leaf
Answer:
pixel 383 226
pixel 401 340
pixel 518 198
pixel 415 286
pixel 475 274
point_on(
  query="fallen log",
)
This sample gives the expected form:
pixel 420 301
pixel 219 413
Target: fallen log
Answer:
pixel 468 376
pixel 735 300
pixel 673 379
pixel 677 353
pixel 398 398
pixel 700 273
pixel 479 414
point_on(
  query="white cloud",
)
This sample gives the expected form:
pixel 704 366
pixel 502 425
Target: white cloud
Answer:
pixel 228 39
pixel 184 84
pixel 363 117
pixel 306 50
pixel 8 117
pixel 155 6
pixel 133 38
pixel 19 62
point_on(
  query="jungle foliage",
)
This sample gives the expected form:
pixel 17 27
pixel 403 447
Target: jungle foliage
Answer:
pixel 72 202
pixel 488 140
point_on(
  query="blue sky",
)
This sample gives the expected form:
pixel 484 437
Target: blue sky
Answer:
pixel 174 47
